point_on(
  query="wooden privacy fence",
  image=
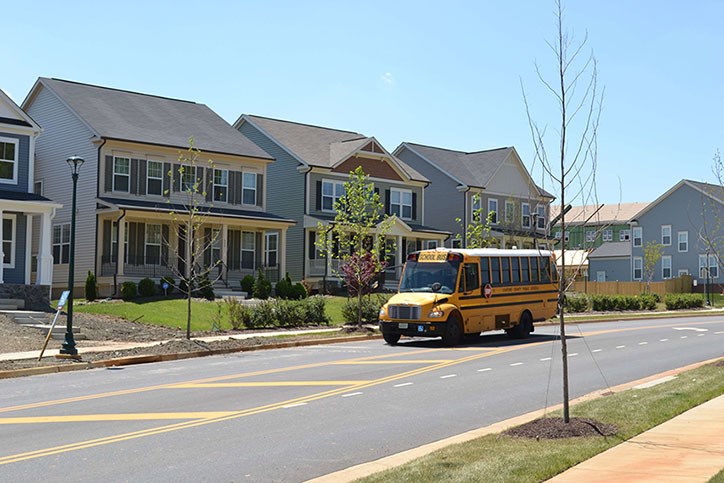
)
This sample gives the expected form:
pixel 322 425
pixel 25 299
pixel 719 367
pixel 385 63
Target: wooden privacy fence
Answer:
pixel 675 285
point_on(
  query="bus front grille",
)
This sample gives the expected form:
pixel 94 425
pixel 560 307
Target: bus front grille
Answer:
pixel 404 312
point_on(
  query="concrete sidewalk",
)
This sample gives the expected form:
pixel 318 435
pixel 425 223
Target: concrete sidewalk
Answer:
pixel 687 448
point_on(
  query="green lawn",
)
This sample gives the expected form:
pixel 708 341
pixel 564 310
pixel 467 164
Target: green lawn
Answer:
pixel 499 458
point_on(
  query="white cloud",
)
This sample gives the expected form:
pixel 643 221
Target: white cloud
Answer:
pixel 387 78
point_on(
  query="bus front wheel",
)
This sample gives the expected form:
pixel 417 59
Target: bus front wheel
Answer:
pixel 453 331
pixel 391 339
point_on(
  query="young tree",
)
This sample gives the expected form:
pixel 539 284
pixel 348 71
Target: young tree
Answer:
pixel 187 220
pixel 652 254
pixel 477 232
pixel 571 166
pixel 711 231
pixel 357 235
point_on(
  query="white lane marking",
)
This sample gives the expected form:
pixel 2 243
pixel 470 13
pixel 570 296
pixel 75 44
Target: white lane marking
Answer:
pixel 620 346
pixel 695 329
pixel 573 354
pixel 351 394
pixel 448 376
pixel 516 364
pixel 684 337
pixel 486 369
pixel 597 350
pixel 700 335
pixel 403 384
pixel 655 382
pixel 546 359
pixel 289 406
pixel 663 340
pixel 720 332
pixel 643 343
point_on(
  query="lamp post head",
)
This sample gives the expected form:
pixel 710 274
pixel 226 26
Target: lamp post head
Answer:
pixel 75 162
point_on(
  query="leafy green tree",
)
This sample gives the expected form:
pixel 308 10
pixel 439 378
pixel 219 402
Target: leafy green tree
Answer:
pixel 652 254
pixel 360 226
pixel 477 232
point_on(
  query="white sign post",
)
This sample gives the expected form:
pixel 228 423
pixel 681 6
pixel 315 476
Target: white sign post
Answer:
pixel 61 302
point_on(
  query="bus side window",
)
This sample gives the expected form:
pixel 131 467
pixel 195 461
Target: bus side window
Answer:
pixel 534 274
pixel 472 280
pixel 524 270
pixel 505 269
pixel 545 269
pixel 495 271
pixel 515 269
pixel 484 270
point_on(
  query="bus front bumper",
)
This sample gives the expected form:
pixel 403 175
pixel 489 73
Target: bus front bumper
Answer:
pixel 413 328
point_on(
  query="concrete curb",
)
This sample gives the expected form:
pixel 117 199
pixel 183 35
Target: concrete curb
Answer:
pixel 143 359
pixel 366 469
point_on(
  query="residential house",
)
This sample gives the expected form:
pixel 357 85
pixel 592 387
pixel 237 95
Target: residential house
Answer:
pixel 22 205
pixel 610 262
pixel 312 165
pixel 131 183
pixel 495 180
pixel 688 221
pixel 590 226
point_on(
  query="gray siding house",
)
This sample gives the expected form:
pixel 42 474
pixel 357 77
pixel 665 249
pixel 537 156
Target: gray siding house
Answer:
pixel 610 262
pixel 312 164
pixel 688 220
pixel 499 180
pixel 132 185
pixel 21 206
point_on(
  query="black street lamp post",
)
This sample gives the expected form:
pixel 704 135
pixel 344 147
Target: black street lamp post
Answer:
pixel 68 347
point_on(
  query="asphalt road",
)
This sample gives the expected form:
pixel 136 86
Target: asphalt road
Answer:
pixel 293 414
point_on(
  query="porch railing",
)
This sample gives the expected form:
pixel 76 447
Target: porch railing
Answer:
pixel 151 267
pixel 316 267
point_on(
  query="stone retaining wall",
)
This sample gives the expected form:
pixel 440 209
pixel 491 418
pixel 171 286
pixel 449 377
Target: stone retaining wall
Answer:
pixel 36 297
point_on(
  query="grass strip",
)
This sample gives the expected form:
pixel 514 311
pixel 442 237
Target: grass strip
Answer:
pixel 500 458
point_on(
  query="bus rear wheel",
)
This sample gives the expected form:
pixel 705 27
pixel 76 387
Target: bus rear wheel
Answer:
pixel 524 327
pixel 453 331
pixel 391 339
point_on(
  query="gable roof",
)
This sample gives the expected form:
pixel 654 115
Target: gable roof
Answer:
pixel 618 213
pixel 21 117
pixel 612 249
pixel 148 119
pixel 712 191
pixel 320 146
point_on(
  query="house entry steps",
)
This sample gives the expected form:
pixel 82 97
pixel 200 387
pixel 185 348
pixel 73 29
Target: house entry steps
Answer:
pixel 13 309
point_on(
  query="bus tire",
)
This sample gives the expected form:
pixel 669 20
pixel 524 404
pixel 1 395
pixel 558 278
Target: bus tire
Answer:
pixel 453 331
pixel 391 339
pixel 524 327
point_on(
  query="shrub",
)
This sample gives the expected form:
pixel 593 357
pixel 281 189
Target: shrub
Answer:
pixel 577 303
pixel 262 287
pixel 283 288
pixel 91 288
pixel 314 312
pixel 247 283
pixel 606 303
pixel 655 296
pixel 649 301
pixel 184 287
pixel 676 301
pixel 239 314
pixel 171 284
pixel 263 315
pixel 289 313
pixel 146 287
pixel 298 292
pixel 370 310
pixel 206 290
pixel 128 290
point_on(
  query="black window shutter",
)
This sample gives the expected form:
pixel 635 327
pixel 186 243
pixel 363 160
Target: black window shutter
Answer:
pixel 141 243
pixel 260 190
pixel 107 256
pixel 109 173
pixel 132 230
pixel 235 253
pixel 414 205
pixel 176 177
pixel 233 196
pixel 404 249
pixel 210 184
pixel 134 176
pixel 418 245
pixel 258 251
pixel 319 195
pixel 142 177
pixel 312 247
pixel 165 240
pixel 167 178
pixel 387 202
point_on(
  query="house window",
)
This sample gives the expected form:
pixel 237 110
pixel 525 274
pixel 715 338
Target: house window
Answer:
pixel 540 211
pixel 221 184
pixel 712 268
pixel 666 235
pixel 332 191
pixel 525 216
pixel 475 207
pixel 248 189
pixel 8 241
pixel 590 236
pixel 114 241
pixel 683 238
pixel 624 235
pixel 509 212
pixel 188 178
pixel 121 174
pixel 431 244
pixel 153 244
pixel 457 243
pixel 607 235
pixel 8 160
pixel 601 276
pixel 638 270
pixel 154 178
pixel 61 243
pixel 638 236
pixel 401 203
pixel 666 267
pixel 271 253
pixel 38 187
pixel 493 208
pixel 248 249
pixel 682 272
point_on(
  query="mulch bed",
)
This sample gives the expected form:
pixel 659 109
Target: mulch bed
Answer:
pixel 555 428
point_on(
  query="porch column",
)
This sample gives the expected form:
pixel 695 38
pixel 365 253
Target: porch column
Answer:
pixel 28 247
pixel 398 257
pixel 2 253
pixel 121 255
pixel 282 252
pixel 44 274
pixel 224 245
pixel 328 235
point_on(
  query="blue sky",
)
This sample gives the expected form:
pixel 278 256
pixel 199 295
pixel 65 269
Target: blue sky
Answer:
pixel 445 74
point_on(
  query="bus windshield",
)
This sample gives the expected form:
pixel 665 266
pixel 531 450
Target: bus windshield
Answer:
pixel 422 276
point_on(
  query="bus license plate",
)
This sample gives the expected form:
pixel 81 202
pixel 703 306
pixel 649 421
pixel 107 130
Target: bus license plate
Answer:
pixel 402 325
pixel 421 328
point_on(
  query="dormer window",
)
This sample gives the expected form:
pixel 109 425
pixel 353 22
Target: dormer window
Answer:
pixel 8 160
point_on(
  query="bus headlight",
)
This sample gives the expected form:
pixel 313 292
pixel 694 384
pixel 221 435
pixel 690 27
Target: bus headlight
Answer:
pixel 436 313
pixel 383 312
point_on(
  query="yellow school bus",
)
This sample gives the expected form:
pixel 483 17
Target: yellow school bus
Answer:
pixel 450 293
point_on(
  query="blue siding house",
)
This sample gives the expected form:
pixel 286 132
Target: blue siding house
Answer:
pixel 21 202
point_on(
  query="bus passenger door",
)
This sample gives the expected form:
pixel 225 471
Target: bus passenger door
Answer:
pixel 471 297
